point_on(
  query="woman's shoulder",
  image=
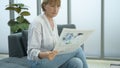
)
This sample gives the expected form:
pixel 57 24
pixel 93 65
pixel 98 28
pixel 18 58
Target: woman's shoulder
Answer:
pixel 39 18
pixel 37 21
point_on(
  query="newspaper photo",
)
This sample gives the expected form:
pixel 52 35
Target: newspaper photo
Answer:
pixel 71 39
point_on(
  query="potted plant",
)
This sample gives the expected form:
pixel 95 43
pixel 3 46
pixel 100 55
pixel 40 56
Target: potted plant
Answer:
pixel 20 22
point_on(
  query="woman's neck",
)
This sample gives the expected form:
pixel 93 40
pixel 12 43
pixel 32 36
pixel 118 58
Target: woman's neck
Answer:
pixel 51 22
pixel 50 19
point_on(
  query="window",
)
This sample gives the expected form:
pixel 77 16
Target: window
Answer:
pixel 86 14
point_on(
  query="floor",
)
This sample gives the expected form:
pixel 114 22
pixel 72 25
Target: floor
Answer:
pixel 91 63
pixel 2 56
pixel 101 63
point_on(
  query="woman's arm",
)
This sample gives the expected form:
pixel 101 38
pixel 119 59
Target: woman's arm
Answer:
pixel 34 41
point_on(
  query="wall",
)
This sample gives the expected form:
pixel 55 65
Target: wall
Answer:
pixel 4 28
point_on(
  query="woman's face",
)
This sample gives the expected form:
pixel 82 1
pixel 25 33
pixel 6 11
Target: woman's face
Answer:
pixel 51 10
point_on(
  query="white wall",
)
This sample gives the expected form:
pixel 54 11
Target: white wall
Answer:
pixel 4 28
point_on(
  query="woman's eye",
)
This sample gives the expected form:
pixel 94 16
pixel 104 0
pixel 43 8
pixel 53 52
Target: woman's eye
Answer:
pixel 52 5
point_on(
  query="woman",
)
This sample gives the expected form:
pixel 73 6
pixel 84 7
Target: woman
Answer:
pixel 42 37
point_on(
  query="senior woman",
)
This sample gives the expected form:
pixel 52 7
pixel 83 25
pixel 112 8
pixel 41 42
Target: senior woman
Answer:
pixel 42 38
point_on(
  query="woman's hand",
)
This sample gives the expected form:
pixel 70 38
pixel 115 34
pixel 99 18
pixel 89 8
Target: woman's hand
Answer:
pixel 49 54
pixel 52 54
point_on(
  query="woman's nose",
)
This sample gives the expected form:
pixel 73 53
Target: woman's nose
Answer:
pixel 56 9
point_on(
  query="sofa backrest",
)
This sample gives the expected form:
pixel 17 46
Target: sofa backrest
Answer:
pixel 23 41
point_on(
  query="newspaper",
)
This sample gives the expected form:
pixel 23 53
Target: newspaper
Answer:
pixel 71 39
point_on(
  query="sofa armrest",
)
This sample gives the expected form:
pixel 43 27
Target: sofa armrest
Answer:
pixel 15 45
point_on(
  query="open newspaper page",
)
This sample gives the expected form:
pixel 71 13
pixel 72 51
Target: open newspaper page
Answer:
pixel 71 39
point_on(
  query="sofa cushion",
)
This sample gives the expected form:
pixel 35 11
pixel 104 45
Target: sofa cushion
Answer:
pixel 60 27
pixel 14 62
pixel 15 45
pixel 24 40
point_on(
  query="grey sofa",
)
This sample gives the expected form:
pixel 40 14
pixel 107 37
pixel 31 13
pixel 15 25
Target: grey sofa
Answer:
pixel 18 46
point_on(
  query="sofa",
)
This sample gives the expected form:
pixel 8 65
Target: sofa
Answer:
pixel 18 47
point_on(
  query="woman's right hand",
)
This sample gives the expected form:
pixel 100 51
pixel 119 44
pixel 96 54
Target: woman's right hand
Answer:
pixel 48 54
pixel 52 54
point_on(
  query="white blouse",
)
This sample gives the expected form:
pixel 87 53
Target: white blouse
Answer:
pixel 41 37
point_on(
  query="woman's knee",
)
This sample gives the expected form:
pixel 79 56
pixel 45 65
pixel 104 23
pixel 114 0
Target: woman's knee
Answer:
pixel 75 63
pixel 80 49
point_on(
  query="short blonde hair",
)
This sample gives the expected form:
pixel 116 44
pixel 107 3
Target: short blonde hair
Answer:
pixel 51 2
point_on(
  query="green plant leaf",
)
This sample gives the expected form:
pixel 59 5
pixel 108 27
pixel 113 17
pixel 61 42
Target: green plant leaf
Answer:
pixel 23 26
pixel 20 5
pixel 13 5
pixel 25 13
pixel 19 23
pixel 18 10
pixel 14 28
pixel 20 19
pixel 19 27
pixel 10 8
pixel 11 22
pixel 26 21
